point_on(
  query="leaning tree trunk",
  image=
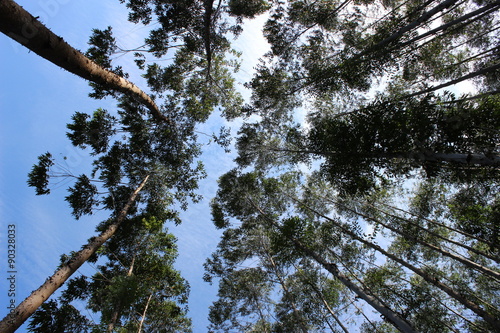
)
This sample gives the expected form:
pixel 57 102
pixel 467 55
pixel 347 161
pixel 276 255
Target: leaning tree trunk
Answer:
pixel 430 279
pixel 25 29
pixel 118 309
pixel 143 317
pixel 282 282
pixel 398 322
pixel 467 262
pixel 27 307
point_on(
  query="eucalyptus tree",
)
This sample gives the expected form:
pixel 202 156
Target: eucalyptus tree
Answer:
pixel 309 222
pixel 295 235
pixel 135 287
pixel 25 29
pixel 141 173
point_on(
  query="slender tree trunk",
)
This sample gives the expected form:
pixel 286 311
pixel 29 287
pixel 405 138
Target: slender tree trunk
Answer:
pixel 470 264
pixel 459 244
pixel 452 82
pixel 373 301
pixel 432 280
pixel 27 307
pixel 25 29
pixel 118 309
pixel 325 303
pixel 144 314
pixel 330 311
pixel 296 312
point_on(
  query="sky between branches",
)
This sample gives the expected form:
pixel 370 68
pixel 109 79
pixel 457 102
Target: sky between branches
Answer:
pixel 37 100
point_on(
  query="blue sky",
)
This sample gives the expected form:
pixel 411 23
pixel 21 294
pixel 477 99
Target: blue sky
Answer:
pixel 37 99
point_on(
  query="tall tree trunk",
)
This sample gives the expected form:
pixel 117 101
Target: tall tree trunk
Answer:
pixel 144 313
pixel 459 244
pixel 282 282
pixel 27 307
pixel 372 300
pixel 118 309
pixel 25 29
pixel 432 280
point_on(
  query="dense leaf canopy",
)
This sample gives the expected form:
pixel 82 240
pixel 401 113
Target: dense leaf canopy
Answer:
pixel 364 195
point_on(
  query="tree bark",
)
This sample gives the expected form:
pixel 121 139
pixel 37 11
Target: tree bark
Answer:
pixel 144 313
pixel 118 309
pixel 432 280
pixel 459 244
pixel 373 301
pixel 21 26
pixel 27 307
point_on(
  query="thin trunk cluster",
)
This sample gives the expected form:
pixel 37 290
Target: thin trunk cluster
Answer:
pixel 371 299
pixel 431 279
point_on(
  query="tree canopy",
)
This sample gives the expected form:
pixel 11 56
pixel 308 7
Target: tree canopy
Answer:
pixel 364 194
